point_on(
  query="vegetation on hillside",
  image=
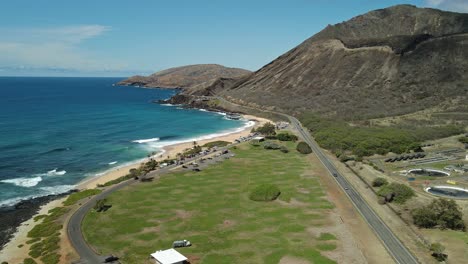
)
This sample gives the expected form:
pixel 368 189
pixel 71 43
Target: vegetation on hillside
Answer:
pixel 441 213
pixel 339 137
pixel 286 137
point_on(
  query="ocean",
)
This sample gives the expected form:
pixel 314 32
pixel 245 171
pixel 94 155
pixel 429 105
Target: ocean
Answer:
pixel 55 132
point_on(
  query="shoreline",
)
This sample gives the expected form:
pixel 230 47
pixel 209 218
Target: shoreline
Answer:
pixel 11 251
pixel 171 151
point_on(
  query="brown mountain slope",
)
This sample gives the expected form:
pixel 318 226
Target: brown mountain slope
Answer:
pixel 191 76
pixel 387 62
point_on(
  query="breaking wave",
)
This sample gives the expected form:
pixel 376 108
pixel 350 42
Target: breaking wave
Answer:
pixel 24 182
pixel 140 141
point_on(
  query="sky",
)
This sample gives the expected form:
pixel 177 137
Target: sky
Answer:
pixel 124 38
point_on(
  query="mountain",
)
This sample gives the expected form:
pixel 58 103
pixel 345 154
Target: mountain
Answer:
pixel 187 77
pixel 387 62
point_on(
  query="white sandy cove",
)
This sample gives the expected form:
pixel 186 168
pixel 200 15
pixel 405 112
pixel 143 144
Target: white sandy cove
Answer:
pixel 13 254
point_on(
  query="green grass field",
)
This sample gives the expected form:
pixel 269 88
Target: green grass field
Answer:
pixel 212 209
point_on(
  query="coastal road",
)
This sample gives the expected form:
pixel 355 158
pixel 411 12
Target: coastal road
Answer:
pixel 393 245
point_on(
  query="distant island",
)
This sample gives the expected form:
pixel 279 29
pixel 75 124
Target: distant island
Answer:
pixel 185 77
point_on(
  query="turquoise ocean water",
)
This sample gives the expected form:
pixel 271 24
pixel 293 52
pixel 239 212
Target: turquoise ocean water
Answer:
pixel 55 132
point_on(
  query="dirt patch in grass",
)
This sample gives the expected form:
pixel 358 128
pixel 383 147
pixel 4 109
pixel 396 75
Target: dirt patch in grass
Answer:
pixel 228 223
pixel 154 229
pixel 293 260
pixel 182 214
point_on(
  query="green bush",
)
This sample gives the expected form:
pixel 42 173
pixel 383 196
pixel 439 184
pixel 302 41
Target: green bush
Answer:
pixel 378 182
pixel 463 140
pixel 397 192
pixel 442 213
pixel 438 252
pixel 29 261
pixel 284 149
pixel 286 137
pixel 265 192
pixel 218 143
pixel 303 148
pixel 271 145
pixel 52 258
pixel 75 197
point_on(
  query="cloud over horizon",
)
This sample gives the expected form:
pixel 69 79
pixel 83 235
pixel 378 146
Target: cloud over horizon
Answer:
pixel 53 48
pixel 460 6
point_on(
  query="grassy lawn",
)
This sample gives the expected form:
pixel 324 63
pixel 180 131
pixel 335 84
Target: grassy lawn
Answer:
pixel 212 209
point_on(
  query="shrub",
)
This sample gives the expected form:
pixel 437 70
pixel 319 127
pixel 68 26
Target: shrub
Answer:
pixel 286 137
pixel 303 148
pixel 264 193
pixel 284 149
pixel 438 252
pixel 28 261
pixel 463 140
pixel 52 258
pixel 271 145
pixel 397 192
pixel 442 213
pixel 101 205
pixel 378 182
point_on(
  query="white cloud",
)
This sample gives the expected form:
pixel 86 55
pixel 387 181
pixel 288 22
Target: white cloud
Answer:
pixel 460 6
pixel 56 47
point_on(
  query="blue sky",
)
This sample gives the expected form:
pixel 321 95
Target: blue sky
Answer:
pixel 122 38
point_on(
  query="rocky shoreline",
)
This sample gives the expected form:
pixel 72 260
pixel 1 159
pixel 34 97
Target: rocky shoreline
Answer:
pixel 11 217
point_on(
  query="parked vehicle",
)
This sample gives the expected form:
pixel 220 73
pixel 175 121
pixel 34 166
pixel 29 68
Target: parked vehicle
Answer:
pixel 181 243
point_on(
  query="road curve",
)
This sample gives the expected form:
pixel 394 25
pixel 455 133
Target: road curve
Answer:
pixel 75 235
pixel 394 246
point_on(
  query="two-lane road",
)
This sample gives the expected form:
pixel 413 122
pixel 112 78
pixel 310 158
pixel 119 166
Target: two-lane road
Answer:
pixel 393 245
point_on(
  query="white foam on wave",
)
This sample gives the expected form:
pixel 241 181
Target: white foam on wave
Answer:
pixel 42 191
pixel 140 141
pixel 24 182
pixel 203 110
pixel 112 163
pixel 167 104
pixel 53 172
pixel 161 144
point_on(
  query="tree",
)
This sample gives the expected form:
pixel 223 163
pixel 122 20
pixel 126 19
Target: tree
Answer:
pixel 286 137
pixel 424 217
pixel 441 213
pixel 463 140
pixel 397 192
pixel 303 148
pixel 438 251
pixel 267 129
pixel 378 182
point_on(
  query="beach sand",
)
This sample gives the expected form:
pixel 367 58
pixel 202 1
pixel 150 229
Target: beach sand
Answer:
pixel 170 151
pixel 13 254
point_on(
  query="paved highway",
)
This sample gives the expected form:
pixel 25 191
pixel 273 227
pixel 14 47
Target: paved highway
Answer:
pixel 393 245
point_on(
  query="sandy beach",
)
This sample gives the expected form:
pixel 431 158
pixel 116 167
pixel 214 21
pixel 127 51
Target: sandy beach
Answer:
pixel 171 152
pixel 14 254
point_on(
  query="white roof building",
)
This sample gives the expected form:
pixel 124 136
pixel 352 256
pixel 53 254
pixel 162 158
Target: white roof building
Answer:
pixel 168 256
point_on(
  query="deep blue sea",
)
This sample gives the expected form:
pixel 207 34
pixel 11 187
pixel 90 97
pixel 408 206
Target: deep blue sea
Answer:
pixel 55 132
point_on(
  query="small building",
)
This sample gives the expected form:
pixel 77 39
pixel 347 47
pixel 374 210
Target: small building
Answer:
pixel 259 139
pixel 168 256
